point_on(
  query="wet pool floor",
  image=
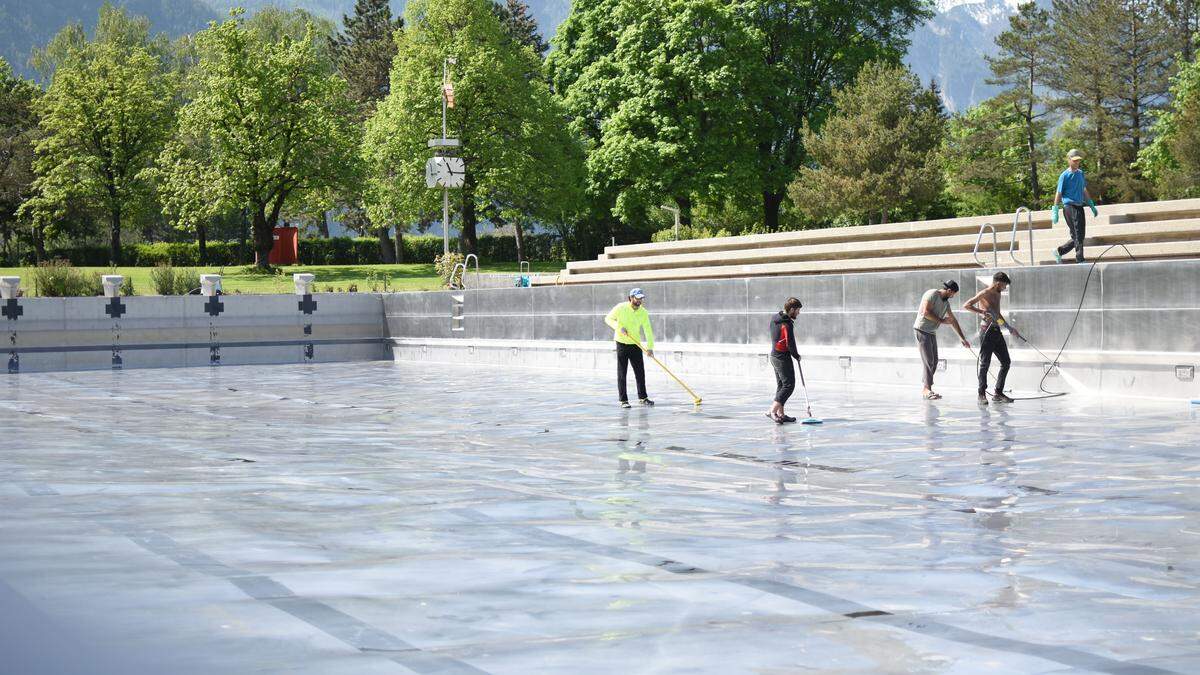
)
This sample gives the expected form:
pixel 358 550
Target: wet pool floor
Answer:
pixel 381 518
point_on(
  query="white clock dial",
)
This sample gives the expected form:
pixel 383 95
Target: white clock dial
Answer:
pixel 432 172
pixel 455 172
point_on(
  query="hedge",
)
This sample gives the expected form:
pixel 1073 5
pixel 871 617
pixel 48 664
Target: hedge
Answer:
pixel 333 251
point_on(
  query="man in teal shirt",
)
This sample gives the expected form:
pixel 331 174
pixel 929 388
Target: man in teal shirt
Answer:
pixel 1073 195
pixel 628 320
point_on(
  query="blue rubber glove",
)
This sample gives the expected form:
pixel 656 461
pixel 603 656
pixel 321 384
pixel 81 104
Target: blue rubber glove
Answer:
pixel 1054 214
pixel 1092 203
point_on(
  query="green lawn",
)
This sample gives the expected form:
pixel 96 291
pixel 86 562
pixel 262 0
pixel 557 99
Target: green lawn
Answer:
pixel 415 277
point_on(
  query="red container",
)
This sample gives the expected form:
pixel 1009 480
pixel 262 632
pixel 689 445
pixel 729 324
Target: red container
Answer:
pixel 286 250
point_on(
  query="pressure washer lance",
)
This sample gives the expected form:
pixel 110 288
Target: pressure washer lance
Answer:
pixel 1054 362
pixel 808 404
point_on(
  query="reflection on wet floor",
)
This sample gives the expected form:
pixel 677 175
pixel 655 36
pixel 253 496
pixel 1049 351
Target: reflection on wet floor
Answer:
pixel 379 517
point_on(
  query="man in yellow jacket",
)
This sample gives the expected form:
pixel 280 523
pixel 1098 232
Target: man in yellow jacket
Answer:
pixel 629 320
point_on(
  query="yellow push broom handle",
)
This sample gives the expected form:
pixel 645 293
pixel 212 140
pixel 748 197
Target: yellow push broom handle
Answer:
pixel 660 363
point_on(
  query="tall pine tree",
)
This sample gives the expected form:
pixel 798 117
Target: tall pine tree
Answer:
pixel 363 52
pixel 18 134
pixel 878 154
pixel 1021 67
pixel 1183 16
pixel 1111 69
pixel 520 24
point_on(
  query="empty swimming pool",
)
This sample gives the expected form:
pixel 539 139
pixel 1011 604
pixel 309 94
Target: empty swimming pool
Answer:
pixel 383 518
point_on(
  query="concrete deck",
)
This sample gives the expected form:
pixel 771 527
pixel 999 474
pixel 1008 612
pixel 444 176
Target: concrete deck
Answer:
pixel 380 518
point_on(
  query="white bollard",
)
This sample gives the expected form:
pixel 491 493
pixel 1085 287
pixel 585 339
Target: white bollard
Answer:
pixel 210 284
pixel 304 283
pixel 112 284
pixel 9 287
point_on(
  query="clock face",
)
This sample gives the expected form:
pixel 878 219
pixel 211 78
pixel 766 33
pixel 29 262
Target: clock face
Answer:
pixel 454 172
pixel 447 172
pixel 432 171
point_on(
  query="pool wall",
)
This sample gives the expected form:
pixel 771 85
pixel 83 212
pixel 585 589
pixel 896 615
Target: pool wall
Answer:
pixel 50 334
pixel 1138 333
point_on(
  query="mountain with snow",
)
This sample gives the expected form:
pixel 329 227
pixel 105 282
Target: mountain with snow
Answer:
pixel 951 48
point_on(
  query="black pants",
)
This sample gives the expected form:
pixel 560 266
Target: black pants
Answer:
pixel 785 376
pixel 1077 224
pixel 992 342
pixel 628 355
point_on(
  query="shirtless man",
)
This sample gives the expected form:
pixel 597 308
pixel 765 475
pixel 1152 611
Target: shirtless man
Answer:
pixel 991 341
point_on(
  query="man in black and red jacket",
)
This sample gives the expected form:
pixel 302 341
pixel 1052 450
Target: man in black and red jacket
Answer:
pixel 783 350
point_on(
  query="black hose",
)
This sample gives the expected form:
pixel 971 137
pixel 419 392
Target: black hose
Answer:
pixel 1054 363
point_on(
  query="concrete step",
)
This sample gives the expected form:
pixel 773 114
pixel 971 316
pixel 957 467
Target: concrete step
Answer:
pixel 1145 212
pixel 951 260
pixel 796 253
pixel 1145 233
pixel 1140 251
pixel 832 235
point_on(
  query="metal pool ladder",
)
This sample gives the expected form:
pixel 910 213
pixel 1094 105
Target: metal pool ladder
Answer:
pixel 995 246
pixel 1012 241
pixel 462 276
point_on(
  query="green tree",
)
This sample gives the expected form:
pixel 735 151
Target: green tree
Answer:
pixel 986 158
pixel 1111 70
pixel 506 121
pixel 878 153
pixel 1145 53
pixel 363 53
pixel 270 128
pixel 1183 16
pixel 18 133
pixel 580 68
pixel 1081 75
pixel 808 51
pixel 1021 67
pixel 520 24
pixel 1172 160
pixel 679 127
pixel 114 25
pixel 106 115
pixel 364 50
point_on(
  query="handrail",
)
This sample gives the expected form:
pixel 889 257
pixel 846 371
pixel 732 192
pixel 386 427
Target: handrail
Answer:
pixel 454 272
pixel 995 246
pixel 1012 244
pixel 465 263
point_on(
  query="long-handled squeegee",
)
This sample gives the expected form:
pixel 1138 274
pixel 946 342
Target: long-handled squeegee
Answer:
pixel 695 398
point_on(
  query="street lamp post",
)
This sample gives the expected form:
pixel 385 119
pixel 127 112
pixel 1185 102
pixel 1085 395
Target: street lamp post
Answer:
pixel 675 212
pixel 445 191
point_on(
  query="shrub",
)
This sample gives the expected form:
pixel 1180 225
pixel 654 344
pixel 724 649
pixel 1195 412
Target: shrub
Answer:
pixel 58 279
pixel 186 281
pixel 127 286
pixel 170 281
pixel 332 251
pixel 444 265
pixel 688 232
pixel 162 278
